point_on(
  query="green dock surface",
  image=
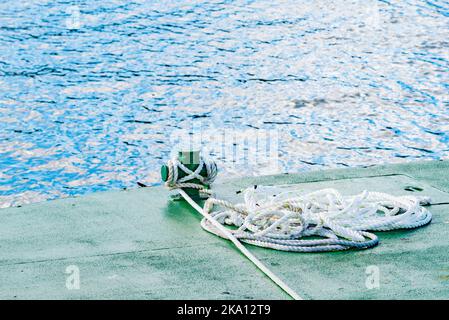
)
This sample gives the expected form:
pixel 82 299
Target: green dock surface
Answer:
pixel 138 244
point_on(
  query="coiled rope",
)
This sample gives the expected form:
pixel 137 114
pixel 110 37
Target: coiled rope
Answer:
pixel 286 221
pixel 319 221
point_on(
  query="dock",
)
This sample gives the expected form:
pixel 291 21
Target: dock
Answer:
pixel 139 244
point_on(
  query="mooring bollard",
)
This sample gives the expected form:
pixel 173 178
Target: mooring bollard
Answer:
pixel 191 160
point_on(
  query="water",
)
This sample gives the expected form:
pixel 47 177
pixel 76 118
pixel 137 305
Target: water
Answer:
pixel 91 91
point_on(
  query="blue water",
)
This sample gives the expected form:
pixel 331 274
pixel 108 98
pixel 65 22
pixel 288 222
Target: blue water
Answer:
pixel 91 91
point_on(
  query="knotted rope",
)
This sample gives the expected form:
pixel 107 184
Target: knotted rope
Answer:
pixel 174 182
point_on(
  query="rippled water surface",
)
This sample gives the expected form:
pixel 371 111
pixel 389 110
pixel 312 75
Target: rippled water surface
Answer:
pixel 90 91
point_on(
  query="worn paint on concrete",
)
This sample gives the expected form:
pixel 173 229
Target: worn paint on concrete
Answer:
pixel 140 245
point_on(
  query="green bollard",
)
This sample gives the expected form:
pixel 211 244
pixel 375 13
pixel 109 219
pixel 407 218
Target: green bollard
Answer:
pixel 190 159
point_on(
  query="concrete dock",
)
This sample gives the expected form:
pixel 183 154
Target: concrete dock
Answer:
pixel 138 244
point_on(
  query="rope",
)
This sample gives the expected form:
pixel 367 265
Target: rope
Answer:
pixel 173 182
pixel 319 221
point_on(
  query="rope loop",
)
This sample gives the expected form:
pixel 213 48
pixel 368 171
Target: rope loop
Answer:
pixel 175 166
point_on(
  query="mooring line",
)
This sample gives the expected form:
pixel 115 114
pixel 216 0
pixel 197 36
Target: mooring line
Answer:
pixel 281 284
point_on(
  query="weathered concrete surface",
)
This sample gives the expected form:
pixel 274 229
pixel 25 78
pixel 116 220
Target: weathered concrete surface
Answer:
pixel 139 245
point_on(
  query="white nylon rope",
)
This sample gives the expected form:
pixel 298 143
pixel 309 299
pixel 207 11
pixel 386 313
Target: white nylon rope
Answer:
pixel 319 221
pixel 174 183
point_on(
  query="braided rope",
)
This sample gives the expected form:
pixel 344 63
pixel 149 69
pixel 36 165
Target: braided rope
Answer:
pixel 292 222
pixel 173 182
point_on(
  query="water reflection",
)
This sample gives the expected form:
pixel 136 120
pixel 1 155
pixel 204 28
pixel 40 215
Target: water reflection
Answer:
pixel 90 104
